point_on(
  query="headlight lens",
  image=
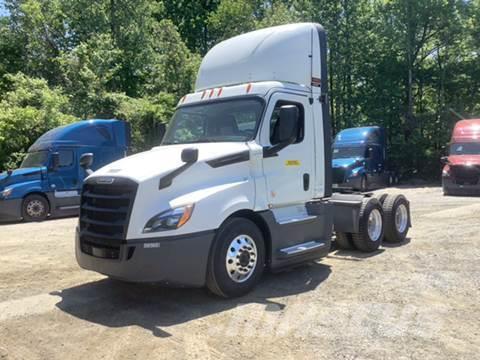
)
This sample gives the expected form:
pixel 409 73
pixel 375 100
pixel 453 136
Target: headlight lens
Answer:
pixel 169 220
pixel 446 171
pixel 6 193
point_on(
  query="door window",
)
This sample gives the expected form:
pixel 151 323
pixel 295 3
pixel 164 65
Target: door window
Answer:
pixel 276 116
pixel 66 158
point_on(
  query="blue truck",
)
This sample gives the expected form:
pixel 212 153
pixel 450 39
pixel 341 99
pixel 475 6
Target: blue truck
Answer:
pixel 359 159
pixel 50 178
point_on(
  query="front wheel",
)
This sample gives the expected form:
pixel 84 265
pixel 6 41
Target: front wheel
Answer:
pixel 35 208
pixel 237 260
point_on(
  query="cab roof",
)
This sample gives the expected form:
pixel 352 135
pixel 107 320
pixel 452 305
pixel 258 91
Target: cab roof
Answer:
pixel 466 131
pixel 94 132
pixel 287 53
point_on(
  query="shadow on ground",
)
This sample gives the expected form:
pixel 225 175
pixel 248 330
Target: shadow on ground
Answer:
pixel 116 304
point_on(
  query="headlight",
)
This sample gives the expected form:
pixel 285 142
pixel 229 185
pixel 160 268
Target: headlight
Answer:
pixel 446 171
pixel 169 220
pixel 355 172
pixel 6 193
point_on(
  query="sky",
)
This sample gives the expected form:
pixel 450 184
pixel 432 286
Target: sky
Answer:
pixel 3 11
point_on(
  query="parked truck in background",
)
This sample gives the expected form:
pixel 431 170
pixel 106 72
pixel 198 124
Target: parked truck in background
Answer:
pixel 359 159
pixel 461 171
pixel 50 178
pixel 242 181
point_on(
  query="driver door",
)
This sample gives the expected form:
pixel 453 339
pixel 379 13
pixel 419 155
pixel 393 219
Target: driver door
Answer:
pixel 64 181
pixel 289 174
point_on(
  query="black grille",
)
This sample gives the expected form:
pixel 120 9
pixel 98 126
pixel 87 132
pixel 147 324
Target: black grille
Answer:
pixel 104 216
pixel 465 175
pixel 338 175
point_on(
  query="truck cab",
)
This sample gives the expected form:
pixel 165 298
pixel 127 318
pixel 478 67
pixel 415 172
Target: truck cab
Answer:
pixel 49 179
pixel 359 159
pixel 241 182
pixel 461 171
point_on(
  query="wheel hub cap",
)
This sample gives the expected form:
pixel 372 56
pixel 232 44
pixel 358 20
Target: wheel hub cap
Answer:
pixel 375 225
pixel 35 208
pixel 401 218
pixel 241 258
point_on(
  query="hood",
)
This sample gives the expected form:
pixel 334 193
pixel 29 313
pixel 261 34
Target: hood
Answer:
pixel 164 159
pixel 346 162
pixel 19 176
pixel 464 160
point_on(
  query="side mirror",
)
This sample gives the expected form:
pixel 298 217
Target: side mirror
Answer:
pixel 286 130
pixel 444 160
pixel 86 161
pixel 55 162
pixel 190 155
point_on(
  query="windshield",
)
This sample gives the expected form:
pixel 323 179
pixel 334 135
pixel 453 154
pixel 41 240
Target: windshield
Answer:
pixel 465 149
pixel 35 159
pixel 231 121
pixel 348 152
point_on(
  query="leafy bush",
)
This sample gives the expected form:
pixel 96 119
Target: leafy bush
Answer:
pixel 27 110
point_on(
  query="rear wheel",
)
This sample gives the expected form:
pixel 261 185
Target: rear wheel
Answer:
pixel 371 227
pixel 35 208
pixel 237 260
pixel 344 241
pixel 397 218
pixel 381 197
pixel 363 184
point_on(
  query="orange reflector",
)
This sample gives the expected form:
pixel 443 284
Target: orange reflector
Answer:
pixel 186 215
pixel 249 87
pixel 211 93
pixel 220 91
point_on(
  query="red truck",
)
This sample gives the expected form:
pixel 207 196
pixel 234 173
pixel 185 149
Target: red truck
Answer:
pixel 461 171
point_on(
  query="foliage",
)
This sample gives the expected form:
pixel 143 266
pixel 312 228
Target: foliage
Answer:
pixel 27 110
pixel 411 66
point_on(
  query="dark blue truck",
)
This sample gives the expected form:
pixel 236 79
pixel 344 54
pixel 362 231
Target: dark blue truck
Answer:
pixel 359 159
pixel 50 178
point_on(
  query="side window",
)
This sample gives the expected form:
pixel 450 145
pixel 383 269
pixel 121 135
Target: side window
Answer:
pixel 66 158
pixel 276 116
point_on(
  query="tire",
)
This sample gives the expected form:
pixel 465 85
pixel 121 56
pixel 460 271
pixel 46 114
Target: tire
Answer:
pixel 35 208
pixel 369 240
pixel 397 218
pixel 227 277
pixel 391 180
pixel 344 241
pixel 381 198
pixel 363 184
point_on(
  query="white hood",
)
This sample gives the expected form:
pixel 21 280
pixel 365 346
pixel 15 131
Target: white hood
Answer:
pixel 164 159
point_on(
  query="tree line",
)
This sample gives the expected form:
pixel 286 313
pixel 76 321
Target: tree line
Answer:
pixel 412 66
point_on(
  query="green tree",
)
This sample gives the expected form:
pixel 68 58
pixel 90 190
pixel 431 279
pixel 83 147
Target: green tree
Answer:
pixel 27 110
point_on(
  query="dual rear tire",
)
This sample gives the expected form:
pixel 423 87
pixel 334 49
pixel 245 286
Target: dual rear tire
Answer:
pixel 383 218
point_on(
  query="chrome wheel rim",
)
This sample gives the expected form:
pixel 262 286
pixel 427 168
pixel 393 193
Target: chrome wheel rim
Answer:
pixel 35 208
pixel 401 218
pixel 375 225
pixel 241 258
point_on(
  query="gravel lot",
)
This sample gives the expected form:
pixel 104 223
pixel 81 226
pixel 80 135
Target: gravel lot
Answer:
pixel 419 300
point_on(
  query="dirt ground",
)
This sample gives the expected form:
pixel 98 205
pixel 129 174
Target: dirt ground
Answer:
pixel 419 300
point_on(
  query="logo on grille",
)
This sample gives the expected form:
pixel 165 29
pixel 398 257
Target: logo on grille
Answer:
pixel 105 180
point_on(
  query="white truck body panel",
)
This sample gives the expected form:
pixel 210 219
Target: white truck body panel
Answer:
pixel 287 53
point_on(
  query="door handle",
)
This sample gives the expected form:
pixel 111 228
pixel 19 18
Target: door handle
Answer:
pixel 306 182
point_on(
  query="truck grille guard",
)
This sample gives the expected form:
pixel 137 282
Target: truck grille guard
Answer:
pixel 105 210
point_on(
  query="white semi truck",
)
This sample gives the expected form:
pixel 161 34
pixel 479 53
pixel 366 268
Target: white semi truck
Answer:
pixel 242 181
